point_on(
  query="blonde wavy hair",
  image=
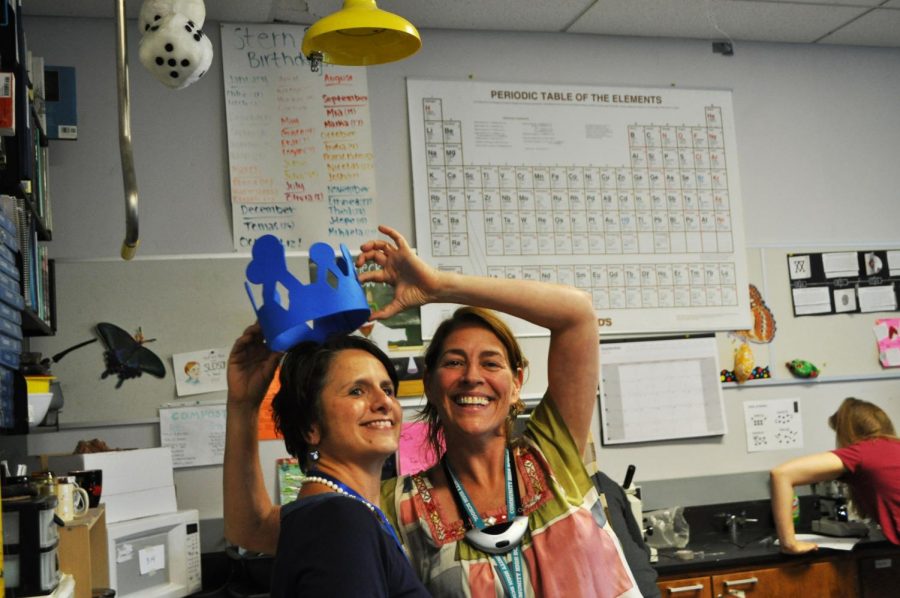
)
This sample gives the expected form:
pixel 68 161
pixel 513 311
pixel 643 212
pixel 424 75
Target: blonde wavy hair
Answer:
pixel 857 420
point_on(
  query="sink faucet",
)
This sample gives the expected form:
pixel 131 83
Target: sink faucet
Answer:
pixel 732 523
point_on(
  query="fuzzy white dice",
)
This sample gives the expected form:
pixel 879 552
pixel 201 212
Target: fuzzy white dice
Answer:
pixel 176 51
pixel 153 11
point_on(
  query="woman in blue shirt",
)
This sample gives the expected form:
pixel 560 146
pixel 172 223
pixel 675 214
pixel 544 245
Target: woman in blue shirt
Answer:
pixel 338 414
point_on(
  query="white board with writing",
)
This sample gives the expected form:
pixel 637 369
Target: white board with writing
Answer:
pixel 631 194
pixel 195 433
pixel 299 142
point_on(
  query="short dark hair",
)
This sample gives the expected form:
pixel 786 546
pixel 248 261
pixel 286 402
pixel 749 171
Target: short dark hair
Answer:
pixel 297 405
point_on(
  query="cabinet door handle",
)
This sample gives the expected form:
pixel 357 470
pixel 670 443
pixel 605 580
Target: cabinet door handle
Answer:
pixel 682 589
pixel 740 582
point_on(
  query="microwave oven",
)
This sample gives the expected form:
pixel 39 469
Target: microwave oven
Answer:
pixel 156 556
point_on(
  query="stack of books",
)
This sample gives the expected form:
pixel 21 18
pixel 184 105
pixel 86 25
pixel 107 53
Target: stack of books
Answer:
pixel 11 305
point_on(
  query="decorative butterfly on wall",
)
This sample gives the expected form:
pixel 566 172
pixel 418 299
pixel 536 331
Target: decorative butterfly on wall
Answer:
pixel 125 355
pixel 763 330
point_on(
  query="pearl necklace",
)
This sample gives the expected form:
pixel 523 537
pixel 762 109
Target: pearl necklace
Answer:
pixel 328 483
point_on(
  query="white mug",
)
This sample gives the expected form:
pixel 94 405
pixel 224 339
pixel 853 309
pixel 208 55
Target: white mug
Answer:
pixel 72 499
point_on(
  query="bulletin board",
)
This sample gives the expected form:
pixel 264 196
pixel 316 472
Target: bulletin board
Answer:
pixel 842 345
pixel 834 282
pixel 299 142
pixel 632 194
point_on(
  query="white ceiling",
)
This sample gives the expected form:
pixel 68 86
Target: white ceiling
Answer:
pixel 846 22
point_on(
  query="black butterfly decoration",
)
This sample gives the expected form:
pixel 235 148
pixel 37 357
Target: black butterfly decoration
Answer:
pixel 125 355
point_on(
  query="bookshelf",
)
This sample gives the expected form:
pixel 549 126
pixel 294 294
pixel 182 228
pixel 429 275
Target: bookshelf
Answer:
pixel 27 274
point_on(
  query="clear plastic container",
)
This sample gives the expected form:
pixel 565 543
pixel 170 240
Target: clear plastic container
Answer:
pixel 670 528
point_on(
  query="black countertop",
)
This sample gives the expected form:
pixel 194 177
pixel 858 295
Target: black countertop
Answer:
pixel 712 547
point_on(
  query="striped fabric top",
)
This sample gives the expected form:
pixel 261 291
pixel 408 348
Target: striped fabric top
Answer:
pixel 570 549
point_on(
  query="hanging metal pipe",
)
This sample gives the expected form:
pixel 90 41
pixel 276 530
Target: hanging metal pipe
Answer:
pixel 132 240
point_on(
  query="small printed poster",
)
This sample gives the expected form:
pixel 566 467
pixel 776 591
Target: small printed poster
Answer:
pixel 773 425
pixel 200 371
pixel 195 433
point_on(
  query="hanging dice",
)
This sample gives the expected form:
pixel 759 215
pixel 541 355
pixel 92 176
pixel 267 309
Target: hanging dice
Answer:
pixel 176 51
pixel 153 11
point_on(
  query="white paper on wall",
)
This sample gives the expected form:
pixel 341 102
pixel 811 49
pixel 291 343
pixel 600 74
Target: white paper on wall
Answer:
pixel 773 425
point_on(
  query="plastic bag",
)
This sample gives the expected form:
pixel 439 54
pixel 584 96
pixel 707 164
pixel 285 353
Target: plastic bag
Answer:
pixel 670 528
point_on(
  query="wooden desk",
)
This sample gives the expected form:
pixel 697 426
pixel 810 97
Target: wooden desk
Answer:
pixel 83 551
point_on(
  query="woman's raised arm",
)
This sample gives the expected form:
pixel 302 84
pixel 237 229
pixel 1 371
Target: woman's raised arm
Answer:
pixel 251 520
pixel 573 364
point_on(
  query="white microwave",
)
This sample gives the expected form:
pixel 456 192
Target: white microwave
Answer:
pixel 156 556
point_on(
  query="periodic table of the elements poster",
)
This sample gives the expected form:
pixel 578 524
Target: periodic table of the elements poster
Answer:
pixel 630 194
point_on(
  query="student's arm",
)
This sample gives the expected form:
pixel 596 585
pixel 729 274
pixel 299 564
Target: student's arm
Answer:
pixel 251 520
pixel 573 366
pixel 804 470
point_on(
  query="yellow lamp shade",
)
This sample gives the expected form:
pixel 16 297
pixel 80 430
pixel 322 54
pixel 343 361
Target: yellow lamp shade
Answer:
pixel 361 34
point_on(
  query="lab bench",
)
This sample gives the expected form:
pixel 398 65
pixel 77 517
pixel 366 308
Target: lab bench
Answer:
pixel 747 562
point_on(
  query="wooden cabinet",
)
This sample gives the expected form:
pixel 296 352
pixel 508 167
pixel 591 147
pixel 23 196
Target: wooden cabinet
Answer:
pixel 83 552
pixel 829 579
pixel 833 578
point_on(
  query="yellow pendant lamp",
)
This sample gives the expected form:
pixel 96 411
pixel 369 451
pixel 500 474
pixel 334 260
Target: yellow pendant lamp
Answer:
pixel 360 34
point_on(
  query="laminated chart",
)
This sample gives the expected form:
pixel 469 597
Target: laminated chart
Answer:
pixel 660 389
pixel 631 194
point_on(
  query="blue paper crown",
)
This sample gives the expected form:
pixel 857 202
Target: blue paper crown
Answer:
pixel 333 303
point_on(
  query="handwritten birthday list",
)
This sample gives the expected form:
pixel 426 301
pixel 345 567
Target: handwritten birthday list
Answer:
pixel 299 142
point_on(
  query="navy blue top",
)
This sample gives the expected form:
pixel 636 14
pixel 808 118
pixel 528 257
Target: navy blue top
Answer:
pixel 332 545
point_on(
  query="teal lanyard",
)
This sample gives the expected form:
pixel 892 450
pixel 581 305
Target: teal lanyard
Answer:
pixel 513 582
